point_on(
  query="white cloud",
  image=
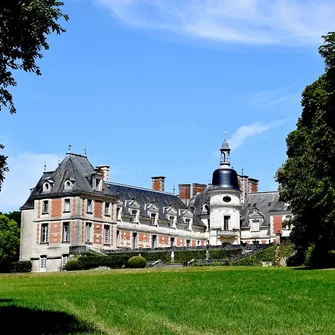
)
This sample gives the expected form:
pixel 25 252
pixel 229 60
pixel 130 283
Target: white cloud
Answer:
pixel 242 133
pixel 274 97
pixel 246 21
pixel 25 171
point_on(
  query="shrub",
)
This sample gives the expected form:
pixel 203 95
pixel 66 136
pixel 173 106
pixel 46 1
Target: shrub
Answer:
pixel 22 266
pixel 73 265
pixel 137 262
pixel 318 256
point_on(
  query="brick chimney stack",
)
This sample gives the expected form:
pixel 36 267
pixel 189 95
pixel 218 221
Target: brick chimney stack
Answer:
pixel 197 188
pixel 104 170
pixel 158 183
pixel 185 193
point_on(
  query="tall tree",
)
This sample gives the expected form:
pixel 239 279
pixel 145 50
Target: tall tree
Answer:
pixel 307 178
pixel 9 239
pixel 24 27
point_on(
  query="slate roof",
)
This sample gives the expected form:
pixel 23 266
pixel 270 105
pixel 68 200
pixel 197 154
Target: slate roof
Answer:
pixel 73 167
pixel 146 196
pixel 265 202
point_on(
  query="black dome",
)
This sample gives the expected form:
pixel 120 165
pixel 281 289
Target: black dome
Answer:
pixel 226 179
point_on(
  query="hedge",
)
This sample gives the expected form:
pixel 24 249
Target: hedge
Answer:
pixel 136 262
pixel 22 266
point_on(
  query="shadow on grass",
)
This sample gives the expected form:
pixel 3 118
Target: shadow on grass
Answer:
pixel 16 320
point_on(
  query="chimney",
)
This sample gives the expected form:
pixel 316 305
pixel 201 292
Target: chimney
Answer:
pixel 254 185
pixel 185 193
pixel 104 170
pixel 197 188
pixel 158 183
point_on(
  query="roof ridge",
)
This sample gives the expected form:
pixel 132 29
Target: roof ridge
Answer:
pixel 139 188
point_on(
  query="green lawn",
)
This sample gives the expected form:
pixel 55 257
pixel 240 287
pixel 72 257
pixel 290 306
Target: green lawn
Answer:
pixel 206 300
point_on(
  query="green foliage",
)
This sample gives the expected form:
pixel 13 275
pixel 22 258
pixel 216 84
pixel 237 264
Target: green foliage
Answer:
pixel 15 215
pixel 136 262
pixel 72 265
pixel 24 27
pixel 3 166
pixel 307 179
pixel 319 257
pixel 267 255
pixel 20 267
pixel 9 239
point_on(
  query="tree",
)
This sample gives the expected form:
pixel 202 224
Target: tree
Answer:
pixel 307 179
pixel 14 215
pixel 24 27
pixel 9 240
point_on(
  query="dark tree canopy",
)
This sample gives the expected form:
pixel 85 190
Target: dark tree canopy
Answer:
pixel 307 178
pixel 9 239
pixel 24 27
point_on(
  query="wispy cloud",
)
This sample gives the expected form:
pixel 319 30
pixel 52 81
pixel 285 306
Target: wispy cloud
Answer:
pixel 25 171
pixel 244 132
pixel 274 97
pixel 288 22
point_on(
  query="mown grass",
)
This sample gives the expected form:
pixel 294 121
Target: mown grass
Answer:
pixel 211 300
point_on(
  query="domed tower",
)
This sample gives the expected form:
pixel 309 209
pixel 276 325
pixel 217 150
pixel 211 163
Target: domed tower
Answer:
pixel 225 203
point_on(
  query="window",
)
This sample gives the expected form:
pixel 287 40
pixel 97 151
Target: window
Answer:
pixel 107 235
pixel 98 184
pixel 45 207
pixel 226 199
pixel 153 218
pixel 66 232
pixel 134 241
pixel 226 220
pixel 46 187
pixel 44 232
pixel 172 241
pixel 254 225
pixel 188 243
pixel 67 203
pixel 67 185
pixel 88 232
pixel 107 208
pixel 154 241
pixel 171 220
pixel 118 238
pixel 89 206
pixel 133 217
pixel 65 259
pixel 43 263
pixel 118 212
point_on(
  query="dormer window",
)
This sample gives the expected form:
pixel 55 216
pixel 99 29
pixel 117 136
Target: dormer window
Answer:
pixel 133 217
pixel 45 207
pixel 171 220
pixel 118 214
pixel 98 184
pixel 46 187
pixel 255 225
pixel 188 223
pixel 153 218
pixel 68 185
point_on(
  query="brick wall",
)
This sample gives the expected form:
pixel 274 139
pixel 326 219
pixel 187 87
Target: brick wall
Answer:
pixel 277 224
pixel 56 207
pixel 98 209
pixel 97 233
pixel 55 232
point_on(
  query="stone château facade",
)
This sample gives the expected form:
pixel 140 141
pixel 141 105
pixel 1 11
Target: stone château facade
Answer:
pixel 76 207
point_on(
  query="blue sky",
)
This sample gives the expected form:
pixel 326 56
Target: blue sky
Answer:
pixel 149 86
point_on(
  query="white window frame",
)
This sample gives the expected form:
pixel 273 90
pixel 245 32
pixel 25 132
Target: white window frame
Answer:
pixel 67 205
pixel 133 217
pixel 107 234
pixel 66 236
pixel 64 260
pixel 89 206
pixel 45 207
pixel 44 233
pixel 88 232
pixel 107 208
pixel 226 222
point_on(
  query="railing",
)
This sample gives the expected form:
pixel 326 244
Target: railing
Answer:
pixel 228 233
